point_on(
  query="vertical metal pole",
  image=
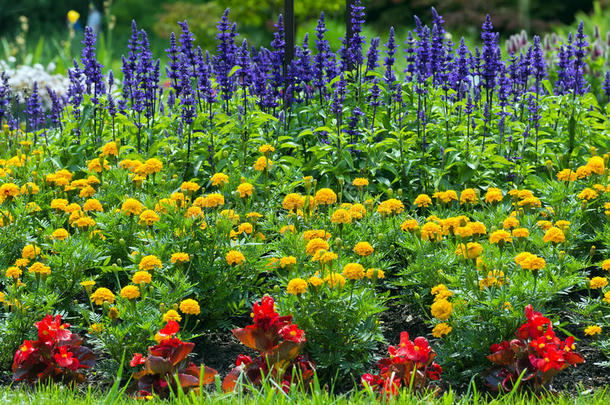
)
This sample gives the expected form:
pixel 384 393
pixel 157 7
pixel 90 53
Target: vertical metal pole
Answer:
pixel 289 29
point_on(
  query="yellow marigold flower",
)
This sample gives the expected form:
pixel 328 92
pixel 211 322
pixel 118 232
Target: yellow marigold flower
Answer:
pixel 73 16
pixel 30 252
pixel 141 277
pixel 468 196
pixel 21 262
pixel 97 165
pixel 316 233
pixel 360 182
pixel 607 297
pixel 593 330
pixel 315 281
pixel 83 222
pixel 231 215
pixel 293 201
pixel 409 225
pixel 131 292
pixel 296 286
pixel 441 330
pixel 431 231
pixel 588 194
pixel 13 272
pixel 530 261
pixel 441 309
pixel 583 172
pixel 213 200
pixel 95 328
pixel 60 234
pixel 74 207
pixel 447 196
pixel 153 165
pixel 102 295
pixel 131 206
pixel 521 233
pixel 357 211
pixel 353 271
pixel 148 217
pixel 245 190
pixel 606 265
pixel 598 282
pixel 477 228
pixel 363 249
pixel 341 216
pixel 375 273
pixel 391 206
pixel 266 148
pixel 8 190
pixel 287 261
pixel 59 204
pixel 545 225
pixel 472 250
pixel 554 235
pixel 422 200
pixel 262 163
pixel 316 244
pixel 324 256
pixel 190 307
pixel 510 222
pixel 287 228
pixel 567 175
pixel 334 280
pixel 30 188
pixel 563 225
pixel 92 205
pixel 500 237
pixel 110 149
pixel 87 283
pixel 219 179
pixel 193 212
pixel 180 257
pixel 493 195
pixel 596 165
pixel 189 186
pixel 440 289
pixel 171 315
pixel 325 196
pixel 246 228
pixel 235 257
pixel 463 232
pixel 149 263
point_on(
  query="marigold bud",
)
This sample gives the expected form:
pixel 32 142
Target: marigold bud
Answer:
pixel 113 313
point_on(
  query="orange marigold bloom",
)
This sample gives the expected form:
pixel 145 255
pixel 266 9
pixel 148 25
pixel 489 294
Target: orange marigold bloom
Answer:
pixel 325 196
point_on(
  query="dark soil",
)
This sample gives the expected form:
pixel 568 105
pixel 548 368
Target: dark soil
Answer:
pixel 219 350
pixel 588 374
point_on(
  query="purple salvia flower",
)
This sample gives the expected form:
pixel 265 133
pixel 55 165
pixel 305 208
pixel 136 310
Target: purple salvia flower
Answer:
pixel 321 56
pixel 34 112
pixel 422 61
pixel 538 62
pixel 92 69
pixel 489 54
pixel 187 49
pixel 410 57
pixel 173 66
pixel 607 85
pixel 56 108
pixel 461 71
pixel 357 40
pixel 5 96
pixel 372 56
pixel 389 76
pixel 277 55
pixel 580 86
pixel 225 57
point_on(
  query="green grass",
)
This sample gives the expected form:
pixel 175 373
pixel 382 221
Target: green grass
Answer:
pixel 55 394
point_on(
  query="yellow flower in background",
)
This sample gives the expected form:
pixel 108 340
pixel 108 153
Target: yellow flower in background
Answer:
pixel 422 200
pixel 287 261
pixel 341 216
pixel 190 307
pixel 296 286
pixel 593 330
pixel 293 201
pixel 148 217
pixel 596 164
pixel 567 175
pixel 131 206
pixel 316 244
pixel 172 315
pixel 353 271
pixel 245 190
pixel 441 309
pixel 93 205
pixel 235 257
pixel 110 149
pixel 510 223
pixel 493 195
pixel 554 235
pixel 315 281
pixel 360 182
pixel 441 330
pixel 180 257
pixel 60 234
pixel 189 186
pixel 471 250
pixel 153 165
pixel 266 148
pixel 468 196
pixel 409 225
pixel 325 196
pixel 500 237
pixel 598 282
pixel 13 272
pixel 141 277
pixel 102 295
pixel 391 206
pixel 316 233
pixel 149 263
pixel 375 273
pixel 130 292
pixel 73 16
pixel 521 233
pixel 606 265
pixel 219 179
pixel 30 252
pixel 262 163
pixel 363 249
pixel 334 280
